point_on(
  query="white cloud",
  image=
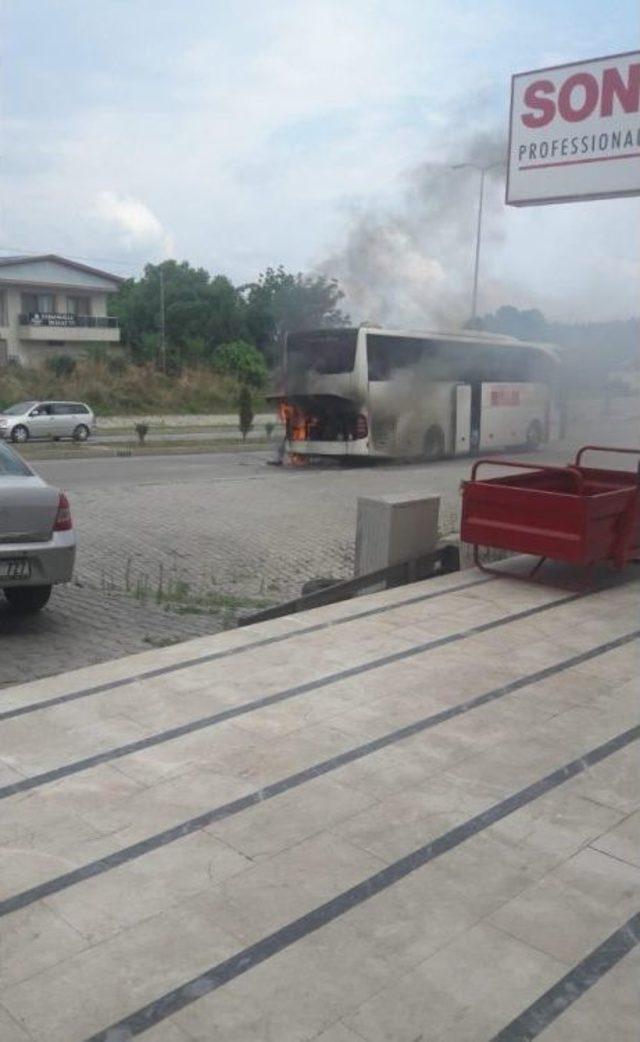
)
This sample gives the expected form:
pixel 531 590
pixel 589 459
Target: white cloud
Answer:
pixel 137 225
pixel 249 133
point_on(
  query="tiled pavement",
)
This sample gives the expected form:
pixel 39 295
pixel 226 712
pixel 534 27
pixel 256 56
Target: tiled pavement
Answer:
pixel 410 817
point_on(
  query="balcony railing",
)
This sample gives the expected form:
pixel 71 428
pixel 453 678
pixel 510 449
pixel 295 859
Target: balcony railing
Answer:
pixel 66 321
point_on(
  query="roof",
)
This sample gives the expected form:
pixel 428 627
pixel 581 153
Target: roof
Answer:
pixel 31 257
pixel 463 336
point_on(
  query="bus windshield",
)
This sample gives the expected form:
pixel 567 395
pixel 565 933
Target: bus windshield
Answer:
pixel 329 351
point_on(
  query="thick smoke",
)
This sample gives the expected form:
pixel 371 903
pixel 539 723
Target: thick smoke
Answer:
pixel 412 266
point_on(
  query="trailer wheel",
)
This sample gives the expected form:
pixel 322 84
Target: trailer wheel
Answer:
pixel 433 444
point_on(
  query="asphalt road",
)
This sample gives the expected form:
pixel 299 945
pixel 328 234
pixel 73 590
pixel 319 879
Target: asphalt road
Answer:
pixel 72 474
pixel 589 425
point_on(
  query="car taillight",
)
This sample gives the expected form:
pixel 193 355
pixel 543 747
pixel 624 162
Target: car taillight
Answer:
pixel 63 520
pixel 362 427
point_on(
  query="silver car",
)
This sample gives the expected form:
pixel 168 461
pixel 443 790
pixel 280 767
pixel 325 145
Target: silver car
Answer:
pixel 37 540
pixel 47 420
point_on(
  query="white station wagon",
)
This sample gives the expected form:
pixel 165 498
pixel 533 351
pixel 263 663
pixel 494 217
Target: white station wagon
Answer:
pixel 50 419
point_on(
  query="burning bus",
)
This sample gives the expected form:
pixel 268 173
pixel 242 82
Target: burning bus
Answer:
pixel 375 392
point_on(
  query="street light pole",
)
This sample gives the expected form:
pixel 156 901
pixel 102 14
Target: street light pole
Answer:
pixel 163 346
pixel 476 268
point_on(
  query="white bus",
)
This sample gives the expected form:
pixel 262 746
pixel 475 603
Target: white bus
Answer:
pixel 382 393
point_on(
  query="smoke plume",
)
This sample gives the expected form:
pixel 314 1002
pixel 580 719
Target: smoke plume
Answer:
pixel 411 265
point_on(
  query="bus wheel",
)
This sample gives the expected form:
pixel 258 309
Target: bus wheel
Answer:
pixel 534 434
pixel 433 445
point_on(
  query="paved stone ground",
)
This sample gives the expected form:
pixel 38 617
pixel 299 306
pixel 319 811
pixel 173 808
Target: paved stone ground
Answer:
pixel 258 532
pixel 426 838
pixel 237 525
pixel 228 529
pixel 81 626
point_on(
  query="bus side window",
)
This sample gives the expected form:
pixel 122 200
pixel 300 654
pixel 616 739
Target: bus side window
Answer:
pixel 379 358
pixel 388 354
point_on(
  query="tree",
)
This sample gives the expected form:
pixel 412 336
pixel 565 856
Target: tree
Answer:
pixel 203 311
pixel 280 302
pixel 200 312
pixel 61 365
pixel 245 411
pixel 241 360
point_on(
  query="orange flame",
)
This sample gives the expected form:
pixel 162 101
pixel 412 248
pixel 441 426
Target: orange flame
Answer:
pixel 294 421
pixel 299 424
pixel 298 427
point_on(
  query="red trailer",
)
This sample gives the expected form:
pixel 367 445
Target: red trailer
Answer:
pixel 577 514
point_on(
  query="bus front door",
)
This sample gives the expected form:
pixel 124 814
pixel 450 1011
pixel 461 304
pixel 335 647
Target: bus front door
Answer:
pixel 462 414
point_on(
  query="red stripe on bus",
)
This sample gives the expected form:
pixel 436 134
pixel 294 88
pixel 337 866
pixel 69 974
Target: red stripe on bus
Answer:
pixel 575 162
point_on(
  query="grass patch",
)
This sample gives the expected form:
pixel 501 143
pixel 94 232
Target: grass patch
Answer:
pixel 134 390
pixel 175 595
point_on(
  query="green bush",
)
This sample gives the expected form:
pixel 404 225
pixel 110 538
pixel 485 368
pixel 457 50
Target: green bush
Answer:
pixel 242 361
pixel 61 365
pixel 245 411
pixel 142 429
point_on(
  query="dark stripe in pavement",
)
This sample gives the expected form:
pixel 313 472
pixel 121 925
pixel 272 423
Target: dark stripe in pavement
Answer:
pixel 293 781
pixel 214 656
pixel 161 737
pixel 217 976
pixel 557 999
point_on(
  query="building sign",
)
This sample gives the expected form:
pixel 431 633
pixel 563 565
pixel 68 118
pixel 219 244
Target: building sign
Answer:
pixel 48 318
pixel 575 132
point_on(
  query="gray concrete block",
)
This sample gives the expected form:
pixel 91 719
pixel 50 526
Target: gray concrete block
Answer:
pixel 394 528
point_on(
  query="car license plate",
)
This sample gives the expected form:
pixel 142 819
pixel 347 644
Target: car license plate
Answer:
pixel 14 568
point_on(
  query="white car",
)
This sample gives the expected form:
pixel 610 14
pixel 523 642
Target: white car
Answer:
pixel 37 540
pixel 48 419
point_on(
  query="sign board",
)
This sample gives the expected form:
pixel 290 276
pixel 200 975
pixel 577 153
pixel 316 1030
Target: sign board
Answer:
pixel 575 132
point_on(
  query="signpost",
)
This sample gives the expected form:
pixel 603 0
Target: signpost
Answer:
pixel 575 132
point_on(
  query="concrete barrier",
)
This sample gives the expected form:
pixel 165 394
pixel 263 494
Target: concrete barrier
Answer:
pixel 394 528
pixel 106 423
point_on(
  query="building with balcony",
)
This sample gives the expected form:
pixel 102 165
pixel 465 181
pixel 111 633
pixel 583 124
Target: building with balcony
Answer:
pixel 53 306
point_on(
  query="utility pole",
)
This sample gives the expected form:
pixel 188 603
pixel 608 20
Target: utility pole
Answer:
pixel 476 266
pixel 163 346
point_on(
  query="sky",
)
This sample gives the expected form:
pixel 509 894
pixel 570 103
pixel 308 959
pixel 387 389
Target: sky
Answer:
pixel 238 135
